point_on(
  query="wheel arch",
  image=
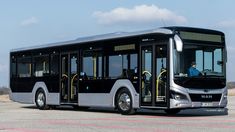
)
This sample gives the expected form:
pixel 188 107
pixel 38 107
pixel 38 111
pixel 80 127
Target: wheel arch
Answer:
pixel 38 86
pixel 121 84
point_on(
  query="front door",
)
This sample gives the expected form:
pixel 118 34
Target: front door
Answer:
pixel 69 78
pixel 153 86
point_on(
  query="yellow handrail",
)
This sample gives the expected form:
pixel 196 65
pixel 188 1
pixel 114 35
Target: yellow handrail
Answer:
pixel 144 73
pixel 71 86
pixel 64 75
pixel 147 72
pixel 158 81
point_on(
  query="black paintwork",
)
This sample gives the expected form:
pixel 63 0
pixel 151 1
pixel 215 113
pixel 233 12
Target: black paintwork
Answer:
pixel 27 84
pixel 201 82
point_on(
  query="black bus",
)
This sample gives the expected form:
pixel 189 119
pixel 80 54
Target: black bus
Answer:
pixel 127 71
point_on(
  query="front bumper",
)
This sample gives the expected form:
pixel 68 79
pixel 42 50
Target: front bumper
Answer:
pixel 206 102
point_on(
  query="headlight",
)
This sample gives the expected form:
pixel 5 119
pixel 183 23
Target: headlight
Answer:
pixel 178 96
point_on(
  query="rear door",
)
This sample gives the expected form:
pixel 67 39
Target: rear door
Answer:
pixel 69 77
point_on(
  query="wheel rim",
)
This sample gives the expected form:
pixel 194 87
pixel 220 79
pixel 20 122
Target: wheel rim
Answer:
pixel 124 102
pixel 40 99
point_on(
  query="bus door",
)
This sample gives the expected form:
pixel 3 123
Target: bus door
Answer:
pixel 153 87
pixel 69 78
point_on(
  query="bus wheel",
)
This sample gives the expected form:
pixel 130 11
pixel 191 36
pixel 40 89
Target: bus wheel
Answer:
pixel 172 111
pixel 41 100
pixel 124 102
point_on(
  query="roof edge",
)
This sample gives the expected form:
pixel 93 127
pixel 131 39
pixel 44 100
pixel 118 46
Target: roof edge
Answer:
pixel 97 38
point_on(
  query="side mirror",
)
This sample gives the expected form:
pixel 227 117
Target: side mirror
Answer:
pixel 178 43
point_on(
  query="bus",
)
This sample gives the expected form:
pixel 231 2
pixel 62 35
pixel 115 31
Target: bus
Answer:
pixel 125 71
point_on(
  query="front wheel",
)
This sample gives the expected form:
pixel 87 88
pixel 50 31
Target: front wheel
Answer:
pixel 40 100
pixel 124 102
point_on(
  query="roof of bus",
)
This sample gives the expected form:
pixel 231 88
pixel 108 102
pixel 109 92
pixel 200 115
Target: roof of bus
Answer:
pixel 116 35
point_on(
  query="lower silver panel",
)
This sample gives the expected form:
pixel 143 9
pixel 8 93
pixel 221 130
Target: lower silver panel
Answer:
pixel 95 99
pixel 189 104
pixel 26 98
pixel 29 98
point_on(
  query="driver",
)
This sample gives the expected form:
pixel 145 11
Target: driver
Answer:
pixel 192 71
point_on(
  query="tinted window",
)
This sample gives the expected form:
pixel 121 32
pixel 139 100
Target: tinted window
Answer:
pixel 24 66
pixel 118 64
pixel 54 64
pixel 13 66
pixel 88 66
pixel 92 64
pixel 41 65
pixel 133 61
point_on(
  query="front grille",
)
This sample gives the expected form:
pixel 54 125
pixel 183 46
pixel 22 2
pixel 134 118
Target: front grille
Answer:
pixel 205 97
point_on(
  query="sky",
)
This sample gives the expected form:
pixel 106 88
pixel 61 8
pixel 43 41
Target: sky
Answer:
pixel 32 22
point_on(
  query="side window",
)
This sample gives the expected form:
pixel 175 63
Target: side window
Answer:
pixel 92 65
pixel 115 66
pixel 54 64
pixel 13 66
pixel 24 66
pixel 118 66
pixel 133 62
pixel 100 67
pixel 88 66
pixel 41 65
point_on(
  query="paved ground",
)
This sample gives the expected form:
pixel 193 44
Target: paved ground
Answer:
pixel 15 117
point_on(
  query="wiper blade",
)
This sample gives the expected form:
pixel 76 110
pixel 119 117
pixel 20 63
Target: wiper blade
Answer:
pixel 206 75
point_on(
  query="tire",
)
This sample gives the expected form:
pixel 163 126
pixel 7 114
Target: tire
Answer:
pixel 172 111
pixel 124 102
pixel 40 100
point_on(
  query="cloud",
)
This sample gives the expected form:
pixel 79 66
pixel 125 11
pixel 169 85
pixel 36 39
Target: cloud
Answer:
pixel 29 21
pixel 227 24
pixel 138 15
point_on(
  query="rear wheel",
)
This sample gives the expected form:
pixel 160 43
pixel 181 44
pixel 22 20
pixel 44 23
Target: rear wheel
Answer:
pixel 124 102
pixel 40 100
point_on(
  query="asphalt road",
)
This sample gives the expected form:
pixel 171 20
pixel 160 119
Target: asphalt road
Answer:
pixel 15 117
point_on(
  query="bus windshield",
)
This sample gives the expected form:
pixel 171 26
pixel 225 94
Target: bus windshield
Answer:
pixel 199 66
pixel 199 60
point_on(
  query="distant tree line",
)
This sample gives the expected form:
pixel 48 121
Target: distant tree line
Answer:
pixel 231 85
pixel 4 90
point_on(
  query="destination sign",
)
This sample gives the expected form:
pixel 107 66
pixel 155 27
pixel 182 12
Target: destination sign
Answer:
pixel 201 36
pixel 124 47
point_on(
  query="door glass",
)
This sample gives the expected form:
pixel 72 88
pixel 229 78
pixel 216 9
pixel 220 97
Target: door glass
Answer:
pixel 64 77
pixel 73 76
pixel 146 81
pixel 161 73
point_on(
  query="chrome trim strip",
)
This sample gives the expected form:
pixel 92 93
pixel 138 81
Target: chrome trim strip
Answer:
pixel 153 107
